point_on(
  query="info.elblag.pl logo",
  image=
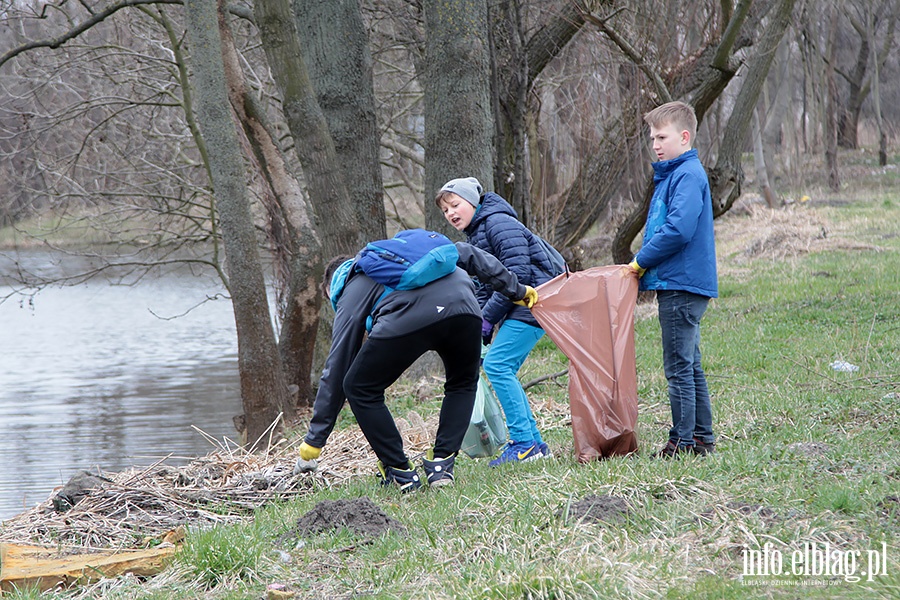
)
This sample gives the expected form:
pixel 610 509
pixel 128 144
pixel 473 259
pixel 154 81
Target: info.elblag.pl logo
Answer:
pixel 815 559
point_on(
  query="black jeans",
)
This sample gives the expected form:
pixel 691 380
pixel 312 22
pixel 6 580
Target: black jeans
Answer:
pixel 381 362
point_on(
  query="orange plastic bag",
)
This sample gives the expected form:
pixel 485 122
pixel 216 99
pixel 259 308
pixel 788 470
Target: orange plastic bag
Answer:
pixel 590 316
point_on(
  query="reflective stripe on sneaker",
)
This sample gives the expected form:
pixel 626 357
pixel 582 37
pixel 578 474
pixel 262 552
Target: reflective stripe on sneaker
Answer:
pixel 439 472
pixel 406 479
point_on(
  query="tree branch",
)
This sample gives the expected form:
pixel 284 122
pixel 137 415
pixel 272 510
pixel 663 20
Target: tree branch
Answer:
pixel 629 51
pixel 721 59
pixel 79 28
pixel 552 36
pixel 406 152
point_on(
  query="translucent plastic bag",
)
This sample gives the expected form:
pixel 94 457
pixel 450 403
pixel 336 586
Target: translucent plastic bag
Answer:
pixel 590 316
pixel 487 431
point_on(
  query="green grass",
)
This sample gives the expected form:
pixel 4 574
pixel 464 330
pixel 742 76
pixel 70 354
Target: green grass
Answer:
pixel 807 456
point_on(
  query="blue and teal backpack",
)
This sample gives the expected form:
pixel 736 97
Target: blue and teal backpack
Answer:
pixel 409 260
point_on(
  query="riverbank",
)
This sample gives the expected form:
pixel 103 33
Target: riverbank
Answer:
pixel 806 457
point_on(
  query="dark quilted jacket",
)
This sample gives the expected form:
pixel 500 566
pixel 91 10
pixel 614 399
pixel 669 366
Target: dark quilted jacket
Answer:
pixel 496 228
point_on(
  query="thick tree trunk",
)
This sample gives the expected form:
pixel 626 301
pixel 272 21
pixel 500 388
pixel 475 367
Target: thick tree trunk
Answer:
pixel 335 213
pixel 599 180
pixel 285 203
pixel 848 115
pixel 631 227
pixel 263 387
pixel 336 50
pixel 509 74
pixel 458 121
pixel 515 64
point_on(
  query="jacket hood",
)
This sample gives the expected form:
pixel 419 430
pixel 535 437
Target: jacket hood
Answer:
pixel 491 204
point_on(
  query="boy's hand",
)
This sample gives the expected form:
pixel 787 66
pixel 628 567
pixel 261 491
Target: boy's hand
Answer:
pixel 305 466
pixel 530 299
pixel 636 268
pixel 308 452
pixel 487 331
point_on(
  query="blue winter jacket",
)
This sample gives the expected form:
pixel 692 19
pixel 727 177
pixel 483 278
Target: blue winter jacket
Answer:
pixel 496 229
pixel 679 249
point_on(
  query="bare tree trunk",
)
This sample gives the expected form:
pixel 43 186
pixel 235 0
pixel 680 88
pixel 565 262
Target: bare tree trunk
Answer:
pixel 335 213
pixel 509 75
pixel 773 119
pixel 727 176
pixel 284 201
pixel 876 90
pixel 831 103
pixel 759 162
pixel 631 227
pixel 458 121
pixel 336 49
pixel 848 115
pixel 515 64
pixel 263 388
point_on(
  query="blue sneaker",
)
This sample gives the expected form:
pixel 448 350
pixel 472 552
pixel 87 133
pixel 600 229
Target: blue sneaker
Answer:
pixel 545 450
pixel 518 452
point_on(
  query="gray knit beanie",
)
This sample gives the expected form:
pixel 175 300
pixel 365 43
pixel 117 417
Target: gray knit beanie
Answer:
pixel 469 189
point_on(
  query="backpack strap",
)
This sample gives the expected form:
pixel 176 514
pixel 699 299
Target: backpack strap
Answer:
pixel 370 320
pixel 339 281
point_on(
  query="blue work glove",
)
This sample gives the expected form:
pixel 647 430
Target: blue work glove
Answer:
pixel 487 331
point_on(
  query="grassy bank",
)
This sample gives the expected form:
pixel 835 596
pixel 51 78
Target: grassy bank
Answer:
pixel 808 457
pixel 807 454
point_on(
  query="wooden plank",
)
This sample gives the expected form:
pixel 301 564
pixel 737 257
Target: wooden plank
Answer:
pixel 47 568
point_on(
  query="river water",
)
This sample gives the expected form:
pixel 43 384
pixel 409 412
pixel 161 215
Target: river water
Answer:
pixel 101 376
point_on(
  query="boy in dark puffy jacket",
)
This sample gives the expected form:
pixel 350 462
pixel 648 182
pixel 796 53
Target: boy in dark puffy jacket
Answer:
pixel 491 224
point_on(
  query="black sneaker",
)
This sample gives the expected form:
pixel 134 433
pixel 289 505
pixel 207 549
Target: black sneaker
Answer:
pixel 406 479
pixel 672 450
pixel 702 448
pixel 438 472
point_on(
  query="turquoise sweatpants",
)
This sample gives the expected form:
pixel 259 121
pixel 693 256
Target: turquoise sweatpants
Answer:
pixel 510 348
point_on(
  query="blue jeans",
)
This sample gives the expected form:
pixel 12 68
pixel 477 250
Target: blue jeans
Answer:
pixel 509 349
pixel 679 318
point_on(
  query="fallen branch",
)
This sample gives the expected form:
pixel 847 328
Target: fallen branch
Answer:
pixel 544 378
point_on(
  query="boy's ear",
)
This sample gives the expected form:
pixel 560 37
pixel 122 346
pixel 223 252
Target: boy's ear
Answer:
pixel 685 136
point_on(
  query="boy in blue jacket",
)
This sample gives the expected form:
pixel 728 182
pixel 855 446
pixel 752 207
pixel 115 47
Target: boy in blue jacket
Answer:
pixel 491 224
pixel 678 261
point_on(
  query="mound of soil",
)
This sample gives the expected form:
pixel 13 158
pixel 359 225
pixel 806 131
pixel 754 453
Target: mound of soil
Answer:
pixel 596 509
pixel 360 516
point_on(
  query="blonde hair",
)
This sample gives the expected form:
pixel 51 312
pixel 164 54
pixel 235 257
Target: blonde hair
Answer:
pixel 679 114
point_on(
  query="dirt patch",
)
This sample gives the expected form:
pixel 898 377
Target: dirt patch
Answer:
pixel 890 507
pixel 763 512
pixel 360 516
pixel 809 449
pixel 596 509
